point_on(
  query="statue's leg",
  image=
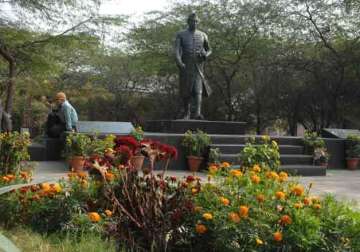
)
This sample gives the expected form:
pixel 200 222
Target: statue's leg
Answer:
pixel 198 100
pixel 187 109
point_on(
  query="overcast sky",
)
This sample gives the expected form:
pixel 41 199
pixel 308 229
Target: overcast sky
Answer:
pixel 132 7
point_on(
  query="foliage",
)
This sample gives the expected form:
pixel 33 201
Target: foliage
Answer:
pixel 21 177
pixel 13 150
pixel 352 146
pixel 266 153
pixel 137 133
pixel 196 142
pixel 214 155
pixel 149 211
pixel 321 156
pixel 76 144
pixel 99 146
pixel 258 209
pixel 312 141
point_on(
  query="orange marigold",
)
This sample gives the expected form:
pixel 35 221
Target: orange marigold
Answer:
pixel 207 216
pixel 244 211
pixel 307 201
pixel 317 206
pixel 94 216
pixel 225 164
pixel 285 220
pixel 260 198
pixel 225 201
pixel 234 217
pixel 278 236
pixel 298 205
pixel 56 188
pixel 108 213
pixel 255 179
pixel 280 195
pixel 236 173
pixel 200 228
pixel 213 169
pixel 45 187
pixel 256 168
pixel 298 190
pixel 283 176
pixel 109 176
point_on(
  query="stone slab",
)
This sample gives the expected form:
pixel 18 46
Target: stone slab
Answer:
pixel 99 127
pixel 339 133
pixel 181 126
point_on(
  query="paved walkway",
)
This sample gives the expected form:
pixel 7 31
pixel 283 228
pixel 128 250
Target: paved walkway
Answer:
pixel 344 184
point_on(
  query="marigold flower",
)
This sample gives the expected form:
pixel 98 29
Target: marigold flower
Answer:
pixel 307 201
pixel 56 187
pixel 24 175
pixel 259 242
pixel 224 201
pixel 298 205
pixel 194 190
pixel 82 175
pixel 278 236
pixel 213 169
pixel 256 168
pixel 315 199
pixel 298 190
pixel 255 179
pixel 244 211
pixel 207 216
pixel 225 164
pixel 283 176
pixel 45 187
pixel 108 213
pixel 285 220
pixel 317 206
pixel 260 198
pixel 94 216
pixel 234 217
pixel 197 209
pixel 200 228
pixel 35 197
pixel 236 173
pixel 280 195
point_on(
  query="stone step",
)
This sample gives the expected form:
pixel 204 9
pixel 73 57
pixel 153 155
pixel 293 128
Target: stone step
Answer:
pixel 304 170
pixel 242 139
pixel 236 148
pixel 37 152
pixel 286 159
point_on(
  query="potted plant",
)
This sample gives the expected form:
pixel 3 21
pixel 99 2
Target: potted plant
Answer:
pixel 321 157
pixel 312 141
pixel 195 144
pixel 137 160
pixel 76 149
pixel 352 152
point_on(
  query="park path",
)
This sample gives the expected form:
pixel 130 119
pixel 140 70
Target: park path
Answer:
pixel 344 184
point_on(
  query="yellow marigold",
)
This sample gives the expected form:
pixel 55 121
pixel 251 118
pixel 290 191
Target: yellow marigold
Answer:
pixel 278 236
pixel 256 168
pixel 234 217
pixel 236 173
pixel 260 198
pixel 244 211
pixel 307 201
pixel 213 169
pixel 45 187
pixel 280 195
pixel 298 205
pixel 259 242
pixel 200 228
pixel 285 220
pixel 56 187
pixel 283 176
pixel 298 190
pixel 272 175
pixel 255 179
pixel 224 201
pixel 194 190
pixel 317 206
pixel 225 164
pixel 109 151
pixel 94 216
pixel 108 213
pixel 315 199
pixel 207 216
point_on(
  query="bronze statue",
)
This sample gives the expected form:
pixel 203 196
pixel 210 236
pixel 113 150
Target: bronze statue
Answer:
pixel 191 50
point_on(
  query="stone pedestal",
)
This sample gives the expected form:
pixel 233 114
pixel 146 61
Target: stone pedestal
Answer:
pixel 181 126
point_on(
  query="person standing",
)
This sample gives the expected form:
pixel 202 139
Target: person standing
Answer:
pixel 191 51
pixel 67 112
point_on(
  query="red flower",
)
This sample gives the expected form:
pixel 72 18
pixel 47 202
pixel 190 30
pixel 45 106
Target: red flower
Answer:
pixel 190 179
pixel 128 141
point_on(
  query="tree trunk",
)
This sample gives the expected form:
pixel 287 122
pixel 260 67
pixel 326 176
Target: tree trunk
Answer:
pixel 10 87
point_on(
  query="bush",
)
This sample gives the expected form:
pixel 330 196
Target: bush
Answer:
pixel 76 145
pixel 353 146
pixel 265 154
pixel 13 150
pixel 313 141
pixel 196 143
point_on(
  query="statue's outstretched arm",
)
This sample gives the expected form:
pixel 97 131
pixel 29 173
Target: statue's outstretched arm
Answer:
pixel 207 47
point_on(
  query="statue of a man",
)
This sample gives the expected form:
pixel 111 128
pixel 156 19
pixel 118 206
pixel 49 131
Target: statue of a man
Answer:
pixel 191 50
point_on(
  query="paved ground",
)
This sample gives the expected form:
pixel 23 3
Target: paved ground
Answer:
pixel 343 183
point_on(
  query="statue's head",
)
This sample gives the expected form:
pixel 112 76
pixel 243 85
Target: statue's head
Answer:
pixel 193 21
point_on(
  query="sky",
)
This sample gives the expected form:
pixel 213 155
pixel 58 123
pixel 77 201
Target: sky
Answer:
pixel 132 7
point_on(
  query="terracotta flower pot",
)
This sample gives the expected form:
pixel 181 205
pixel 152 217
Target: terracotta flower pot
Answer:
pixel 194 163
pixel 137 162
pixel 77 163
pixel 352 163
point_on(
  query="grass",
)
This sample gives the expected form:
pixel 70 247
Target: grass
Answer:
pixel 26 240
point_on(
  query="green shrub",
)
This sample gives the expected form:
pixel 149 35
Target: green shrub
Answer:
pixel 196 143
pixel 313 141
